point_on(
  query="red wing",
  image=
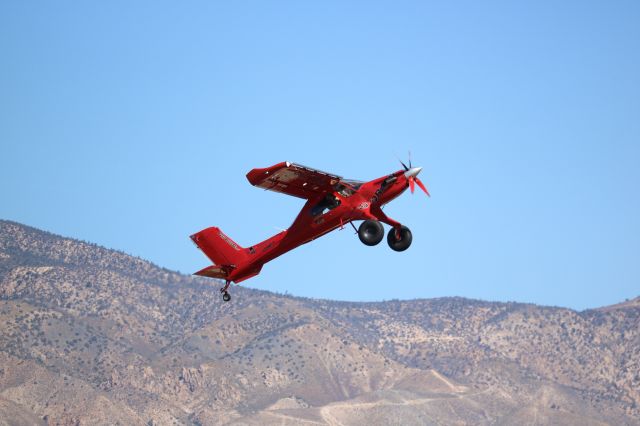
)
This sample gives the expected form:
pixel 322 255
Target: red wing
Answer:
pixel 293 179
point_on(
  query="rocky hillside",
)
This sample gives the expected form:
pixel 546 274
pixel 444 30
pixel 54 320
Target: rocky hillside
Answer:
pixel 93 336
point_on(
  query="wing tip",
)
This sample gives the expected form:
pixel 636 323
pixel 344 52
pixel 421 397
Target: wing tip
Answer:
pixel 257 175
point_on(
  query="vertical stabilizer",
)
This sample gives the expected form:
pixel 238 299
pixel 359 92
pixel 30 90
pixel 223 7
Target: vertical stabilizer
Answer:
pixel 218 247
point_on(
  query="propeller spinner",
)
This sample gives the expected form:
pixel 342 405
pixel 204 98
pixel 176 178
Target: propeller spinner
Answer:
pixel 411 173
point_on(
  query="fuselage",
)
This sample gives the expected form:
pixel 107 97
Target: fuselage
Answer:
pixel 321 215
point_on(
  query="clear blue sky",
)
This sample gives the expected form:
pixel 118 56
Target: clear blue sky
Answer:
pixel 133 124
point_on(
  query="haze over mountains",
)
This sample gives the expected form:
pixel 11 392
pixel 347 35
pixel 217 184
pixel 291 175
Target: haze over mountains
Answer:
pixel 94 336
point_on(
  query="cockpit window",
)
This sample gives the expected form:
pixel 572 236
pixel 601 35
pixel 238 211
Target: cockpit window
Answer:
pixel 355 184
pixel 347 188
pixel 343 190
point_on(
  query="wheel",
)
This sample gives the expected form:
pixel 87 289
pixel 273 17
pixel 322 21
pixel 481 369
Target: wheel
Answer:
pixel 226 296
pixel 370 232
pixel 399 244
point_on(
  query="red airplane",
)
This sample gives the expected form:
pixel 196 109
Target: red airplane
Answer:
pixel 331 203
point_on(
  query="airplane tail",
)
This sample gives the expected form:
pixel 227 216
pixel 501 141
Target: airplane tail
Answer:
pixel 222 250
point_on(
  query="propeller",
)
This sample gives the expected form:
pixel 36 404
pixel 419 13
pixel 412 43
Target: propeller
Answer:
pixel 412 175
pixel 420 184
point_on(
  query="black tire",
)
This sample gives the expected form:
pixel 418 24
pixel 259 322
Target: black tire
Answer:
pixel 371 232
pixel 226 296
pixel 399 244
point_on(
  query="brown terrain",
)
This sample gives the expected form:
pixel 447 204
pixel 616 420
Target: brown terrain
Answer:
pixel 94 336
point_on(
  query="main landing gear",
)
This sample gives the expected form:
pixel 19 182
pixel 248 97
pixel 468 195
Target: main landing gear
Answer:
pixel 399 239
pixel 225 294
pixel 371 233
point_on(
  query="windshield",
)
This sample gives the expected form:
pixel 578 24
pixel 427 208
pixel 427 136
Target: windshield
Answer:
pixel 354 184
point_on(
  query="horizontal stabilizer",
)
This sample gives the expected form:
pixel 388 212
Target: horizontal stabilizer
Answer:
pixel 214 271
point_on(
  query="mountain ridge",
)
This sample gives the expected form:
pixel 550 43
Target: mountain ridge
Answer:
pixel 629 302
pixel 146 345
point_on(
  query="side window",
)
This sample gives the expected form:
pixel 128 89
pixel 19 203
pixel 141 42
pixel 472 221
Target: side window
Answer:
pixel 328 203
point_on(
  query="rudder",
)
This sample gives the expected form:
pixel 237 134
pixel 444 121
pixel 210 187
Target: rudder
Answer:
pixel 218 247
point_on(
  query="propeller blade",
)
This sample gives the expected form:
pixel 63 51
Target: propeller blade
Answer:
pixel 410 166
pixel 421 185
pixel 403 165
pixel 411 184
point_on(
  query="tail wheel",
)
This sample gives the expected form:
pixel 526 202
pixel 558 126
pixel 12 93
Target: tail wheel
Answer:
pixel 399 240
pixel 225 294
pixel 371 232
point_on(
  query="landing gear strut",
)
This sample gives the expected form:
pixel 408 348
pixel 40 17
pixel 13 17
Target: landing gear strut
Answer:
pixel 225 294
